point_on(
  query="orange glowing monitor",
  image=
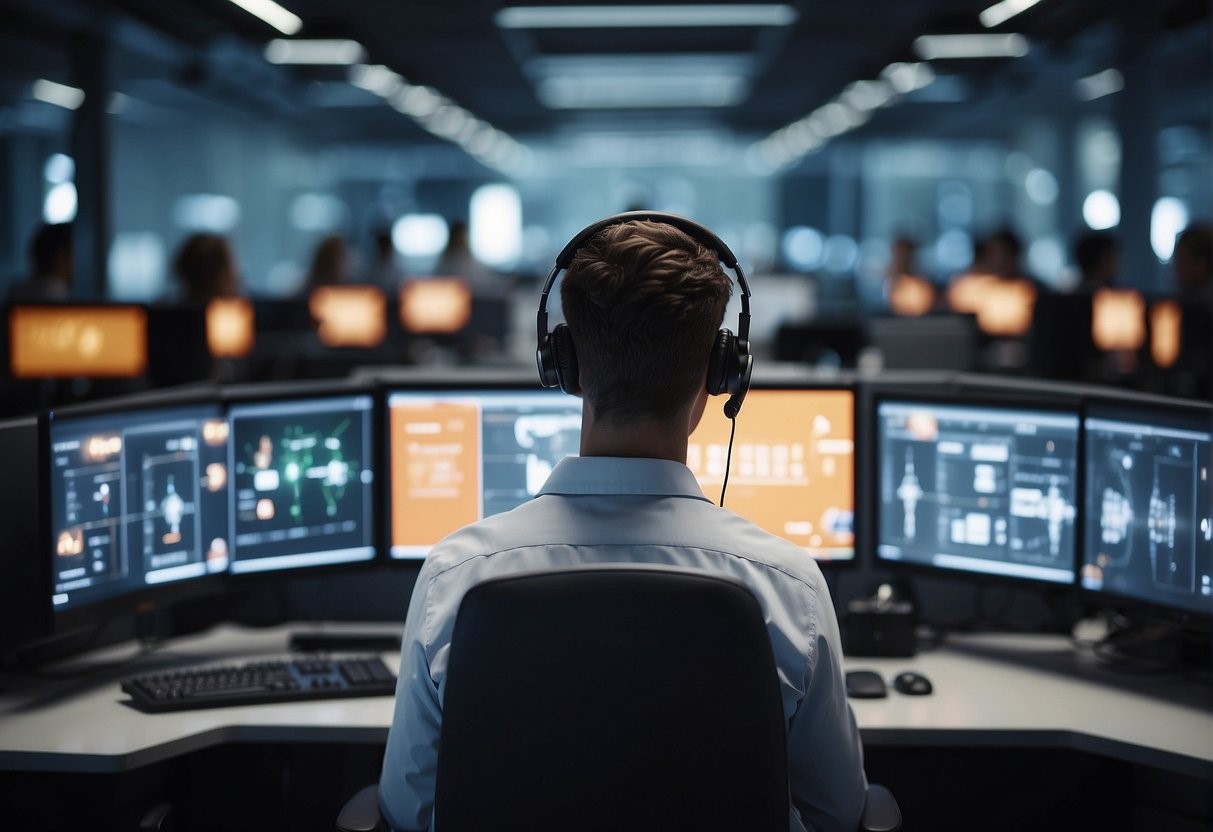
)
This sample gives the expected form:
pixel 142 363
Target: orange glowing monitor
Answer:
pixel 793 469
pixel 1118 319
pixel 349 316
pixel 1166 320
pixel 77 341
pixel 230 332
pixel 435 305
pixel 911 296
pixel 459 455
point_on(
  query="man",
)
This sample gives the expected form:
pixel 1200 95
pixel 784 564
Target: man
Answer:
pixel 643 303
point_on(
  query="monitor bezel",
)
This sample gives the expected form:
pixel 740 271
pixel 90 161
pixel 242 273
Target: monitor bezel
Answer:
pixel 1027 400
pixel 252 395
pixel 1108 599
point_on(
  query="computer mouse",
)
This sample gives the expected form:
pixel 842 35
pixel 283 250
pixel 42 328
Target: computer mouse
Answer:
pixel 914 684
pixel 865 684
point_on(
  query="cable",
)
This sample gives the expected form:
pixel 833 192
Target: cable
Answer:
pixel 728 458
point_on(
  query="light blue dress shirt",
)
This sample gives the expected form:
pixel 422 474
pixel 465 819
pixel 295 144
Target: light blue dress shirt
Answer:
pixel 624 510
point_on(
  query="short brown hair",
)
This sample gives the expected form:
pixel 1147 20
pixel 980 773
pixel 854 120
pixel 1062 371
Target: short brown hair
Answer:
pixel 643 302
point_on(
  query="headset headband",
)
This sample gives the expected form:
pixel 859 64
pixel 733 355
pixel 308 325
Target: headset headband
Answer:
pixel 687 226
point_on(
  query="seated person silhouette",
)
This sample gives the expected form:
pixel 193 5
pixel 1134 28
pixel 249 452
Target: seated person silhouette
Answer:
pixel 644 301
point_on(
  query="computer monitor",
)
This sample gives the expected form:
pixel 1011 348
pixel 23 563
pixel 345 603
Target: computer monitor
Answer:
pixel 302 482
pixel 24 611
pixel 70 341
pixel 982 489
pixel 138 504
pixel 349 316
pixel 1149 506
pixel 435 305
pixel 459 455
pixel 793 467
pixel 1118 319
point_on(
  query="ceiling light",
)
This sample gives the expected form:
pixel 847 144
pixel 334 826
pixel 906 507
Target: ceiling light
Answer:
pixel 317 52
pixel 1099 85
pixel 942 47
pixel 273 14
pixel 1004 11
pixel 867 95
pixel 656 91
pixel 378 79
pixel 643 17
pixel 61 95
pixel 908 77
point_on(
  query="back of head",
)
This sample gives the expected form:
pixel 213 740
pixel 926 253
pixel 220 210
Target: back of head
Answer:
pixel 1096 253
pixel 643 302
pixel 205 267
pixel 1193 257
pixel 50 251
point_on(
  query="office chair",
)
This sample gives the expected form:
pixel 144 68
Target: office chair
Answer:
pixel 607 698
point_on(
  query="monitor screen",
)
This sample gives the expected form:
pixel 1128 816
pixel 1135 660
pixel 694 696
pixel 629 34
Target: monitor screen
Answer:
pixel 77 341
pixel 137 500
pixel 349 316
pixel 435 305
pixel 302 483
pixel 793 469
pixel 980 489
pixel 1149 507
pixel 460 455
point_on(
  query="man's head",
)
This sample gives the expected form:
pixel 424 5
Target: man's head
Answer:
pixel 643 302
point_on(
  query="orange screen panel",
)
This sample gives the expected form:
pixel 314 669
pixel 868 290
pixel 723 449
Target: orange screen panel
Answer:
pixel 1118 319
pixel 1166 320
pixel 74 341
pixel 349 316
pixel 230 332
pixel 793 469
pixel 435 305
pixel 435 471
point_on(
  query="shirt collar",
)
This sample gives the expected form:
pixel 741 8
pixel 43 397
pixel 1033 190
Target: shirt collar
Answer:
pixel 576 475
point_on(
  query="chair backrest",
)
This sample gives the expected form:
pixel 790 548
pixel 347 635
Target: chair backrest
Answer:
pixel 611 697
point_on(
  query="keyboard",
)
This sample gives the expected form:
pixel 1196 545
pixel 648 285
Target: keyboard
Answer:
pixel 254 683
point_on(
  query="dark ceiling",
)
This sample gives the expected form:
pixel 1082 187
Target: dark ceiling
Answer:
pixel 456 47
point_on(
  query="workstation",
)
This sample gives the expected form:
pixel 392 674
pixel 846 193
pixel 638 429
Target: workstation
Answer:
pixel 1000 467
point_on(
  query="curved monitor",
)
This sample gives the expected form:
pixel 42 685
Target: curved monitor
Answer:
pixel 302 482
pixel 1149 506
pixel 979 489
pixel 138 505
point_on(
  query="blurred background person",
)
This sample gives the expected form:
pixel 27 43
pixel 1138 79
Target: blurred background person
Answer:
pixel 1192 262
pixel 205 268
pixel 457 260
pixel 907 291
pixel 384 270
pixel 52 266
pixel 332 263
pixel 1097 255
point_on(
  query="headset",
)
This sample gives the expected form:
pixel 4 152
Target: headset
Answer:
pixel 731 362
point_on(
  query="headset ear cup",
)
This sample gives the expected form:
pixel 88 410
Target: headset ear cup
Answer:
pixel 722 362
pixel 564 359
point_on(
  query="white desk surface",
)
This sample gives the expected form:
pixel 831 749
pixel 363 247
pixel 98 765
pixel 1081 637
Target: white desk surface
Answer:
pixel 990 691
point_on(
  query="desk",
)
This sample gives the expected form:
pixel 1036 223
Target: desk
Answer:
pixel 1029 694
pixel 990 691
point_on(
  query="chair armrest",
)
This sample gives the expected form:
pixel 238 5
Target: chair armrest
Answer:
pixel 361 812
pixel 880 811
